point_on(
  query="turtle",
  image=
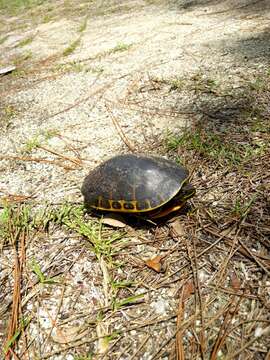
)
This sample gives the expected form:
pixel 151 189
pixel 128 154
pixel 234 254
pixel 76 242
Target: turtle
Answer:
pixel 137 184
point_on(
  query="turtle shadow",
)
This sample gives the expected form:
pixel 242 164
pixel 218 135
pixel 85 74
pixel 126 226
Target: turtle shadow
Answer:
pixel 140 222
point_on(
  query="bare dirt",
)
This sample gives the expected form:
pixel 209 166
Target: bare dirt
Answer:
pixel 62 114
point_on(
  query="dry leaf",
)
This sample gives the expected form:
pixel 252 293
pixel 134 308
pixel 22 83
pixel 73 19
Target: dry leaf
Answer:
pixel 114 220
pixel 68 335
pixel 177 227
pixel 155 264
pixel 187 290
pixel 235 282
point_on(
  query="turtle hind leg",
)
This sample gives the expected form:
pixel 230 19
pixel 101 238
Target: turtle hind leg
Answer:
pixel 166 211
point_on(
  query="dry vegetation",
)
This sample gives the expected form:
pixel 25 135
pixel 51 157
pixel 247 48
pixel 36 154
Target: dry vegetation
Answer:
pixel 195 286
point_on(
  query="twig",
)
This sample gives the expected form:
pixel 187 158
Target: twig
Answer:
pixel 185 265
pixel 226 260
pixel 86 98
pixel 14 198
pixel 224 329
pixel 13 326
pixel 120 131
pixel 229 240
pixel 231 292
pixel 232 356
pixel 254 258
pixel 39 160
pixel 54 321
pixel 249 321
pixel 74 161
pixel 70 147
pixel 198 286
pixel 180 353
pixel 102 325
pixel 140 347
pixel 193 263
pixel 22 266
pixel 91 340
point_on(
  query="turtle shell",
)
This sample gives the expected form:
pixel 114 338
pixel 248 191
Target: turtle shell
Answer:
pixel 133 184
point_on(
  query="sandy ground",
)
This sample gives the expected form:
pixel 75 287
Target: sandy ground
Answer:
pixel 69 109
pixel 163 42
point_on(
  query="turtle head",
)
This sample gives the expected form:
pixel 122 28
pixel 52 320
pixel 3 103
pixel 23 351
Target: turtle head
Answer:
pixel 187 191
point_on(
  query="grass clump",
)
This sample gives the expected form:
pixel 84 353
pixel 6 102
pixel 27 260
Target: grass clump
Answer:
pixel 23 57
pixel 70 67
pixel 83 26
pixel 24 322
pixel 3 39
pixel 216 147
pixel 50 133
pixel 121 47
pixel 118 48
pixel 36 141
pixel 14 6
pixel 241 208
pixel 6 115
pixel 202 83
pixel 176 84
pixel 47 18
pixel 198 83
pixel 72 47
pixel 4 220
pixel 31 145
pixel 233 129
pixel 103 243
pixel 13 221
pixel 25 41
pixel 42 278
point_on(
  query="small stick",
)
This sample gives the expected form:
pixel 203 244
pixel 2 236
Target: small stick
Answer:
pixel 13 198
pixel 120 131
pixel 180 352
pixel 141 346
pixel 198 255
pixel 75 161
pixel 258 262
pixel 194 268
pixel 228 240
pixel 19 260
pixel 41 160
pixel 232 356
pixel 198 286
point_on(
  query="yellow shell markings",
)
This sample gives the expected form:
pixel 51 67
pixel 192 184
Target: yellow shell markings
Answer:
pixel 122 207
pixel 134 203
pixel 121 203
pixel 148 202
pixel 99 202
